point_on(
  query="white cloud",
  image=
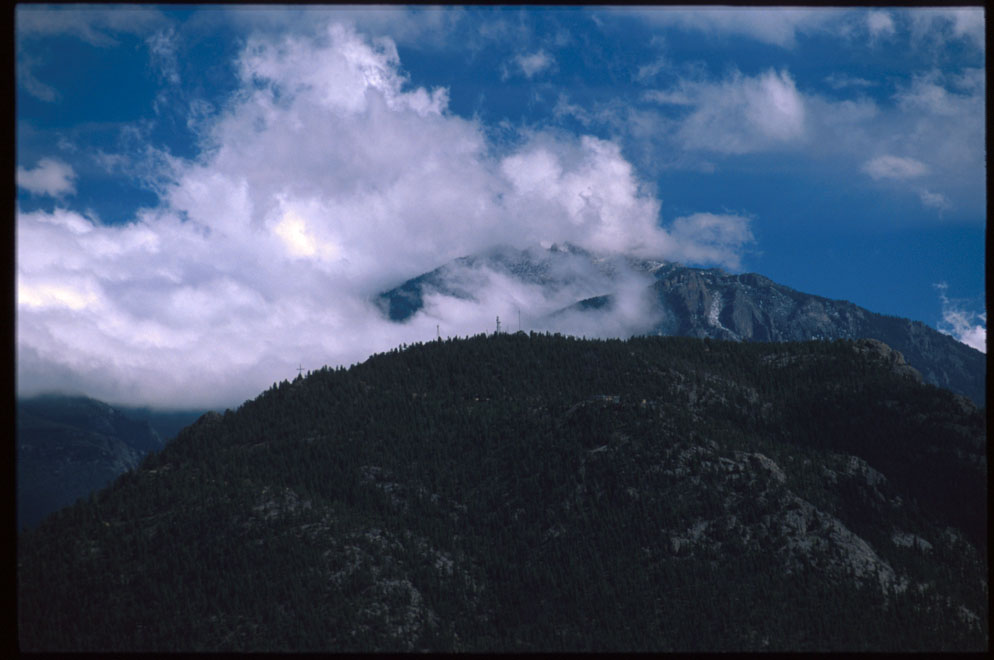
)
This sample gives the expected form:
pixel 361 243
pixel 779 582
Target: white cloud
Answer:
pixel 649 70
pixel 50 177
pixel 929 95
pixel 530 65
pixel 27 79
pixel 325 179
pixel 162 52
pixel 841 81
pixel 962 323
pixel 744 114
pixel 94 24
pixel 929 136
pixel 775 26
pixel 534 63
pixel 935 200
pixel 968 22
pixel 704 238
pixel 672 97
pixel 880 24
pixel 894 167
pixel 937 26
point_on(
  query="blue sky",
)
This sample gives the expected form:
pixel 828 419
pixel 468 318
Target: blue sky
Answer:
pixel 206 195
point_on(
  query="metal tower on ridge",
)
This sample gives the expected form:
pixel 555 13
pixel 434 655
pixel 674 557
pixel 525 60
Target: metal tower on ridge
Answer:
pixel 498 326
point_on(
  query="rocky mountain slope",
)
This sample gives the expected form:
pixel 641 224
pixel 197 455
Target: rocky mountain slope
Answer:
pixel 541 493
pixel 694 302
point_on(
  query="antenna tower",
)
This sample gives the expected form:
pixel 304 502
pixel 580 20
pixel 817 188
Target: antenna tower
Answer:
pixel 498 326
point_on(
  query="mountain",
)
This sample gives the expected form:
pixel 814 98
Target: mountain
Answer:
pixel 540 493
pixel 691 302
pixel 69 446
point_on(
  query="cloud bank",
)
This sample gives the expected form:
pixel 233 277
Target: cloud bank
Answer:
pixel 323 180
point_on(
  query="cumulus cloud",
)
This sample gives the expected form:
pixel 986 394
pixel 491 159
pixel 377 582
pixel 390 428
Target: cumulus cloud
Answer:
pixel 50 177
pixel 894 167
pixel 966 326
pixel 744 114
pixel 325 179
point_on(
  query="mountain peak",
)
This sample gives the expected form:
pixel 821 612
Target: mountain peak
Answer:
pixel 580 292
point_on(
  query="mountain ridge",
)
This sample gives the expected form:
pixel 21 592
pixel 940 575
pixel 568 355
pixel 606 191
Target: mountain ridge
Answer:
pixel 696 302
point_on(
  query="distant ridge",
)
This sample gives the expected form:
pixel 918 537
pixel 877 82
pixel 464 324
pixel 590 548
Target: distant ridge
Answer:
pixel 70 446
pixel 697 302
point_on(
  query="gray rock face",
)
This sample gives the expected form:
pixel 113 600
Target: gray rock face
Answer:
pixel 749 307
pixel 695 302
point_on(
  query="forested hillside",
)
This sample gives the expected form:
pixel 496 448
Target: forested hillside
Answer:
pixel 542 493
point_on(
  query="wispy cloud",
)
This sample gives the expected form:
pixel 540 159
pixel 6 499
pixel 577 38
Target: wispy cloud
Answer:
pixel 711 238
pixel 94 24
pixel 32 85
pixel 966 326
pixel 775 26
pixel 936 26
pixel 894 167
pixel 530 65
pixel 880 24
pixel 162 51
pixel 935 200
pixel 842 81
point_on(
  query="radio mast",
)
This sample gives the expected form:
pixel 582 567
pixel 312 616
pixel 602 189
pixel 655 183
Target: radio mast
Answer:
pixel 498 326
